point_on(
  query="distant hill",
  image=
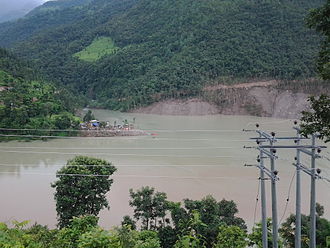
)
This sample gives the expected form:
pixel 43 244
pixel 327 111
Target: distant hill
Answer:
pixel 14 9
pixel 44 17
pixel 157 49
pixel 28 101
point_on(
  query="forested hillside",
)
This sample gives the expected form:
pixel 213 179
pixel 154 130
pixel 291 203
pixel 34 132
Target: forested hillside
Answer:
pixel 27 101
pixel 162 49
pixel 49 15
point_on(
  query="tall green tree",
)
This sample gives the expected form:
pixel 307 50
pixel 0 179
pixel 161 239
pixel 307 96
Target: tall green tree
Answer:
pixel 212 214
pixel 320 21
pixel 231 237
pixel 149 206
pixel 81 188
pixel 287 229
pixel 318 120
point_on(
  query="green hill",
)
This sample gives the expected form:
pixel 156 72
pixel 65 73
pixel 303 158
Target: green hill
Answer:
pixel 172 48
pixel 28 101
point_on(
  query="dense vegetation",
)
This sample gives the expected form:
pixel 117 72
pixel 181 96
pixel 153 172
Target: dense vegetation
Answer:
pixel 100 47
pixel 318 19
pixel 318 121
pixel 169 48
pixel 27 101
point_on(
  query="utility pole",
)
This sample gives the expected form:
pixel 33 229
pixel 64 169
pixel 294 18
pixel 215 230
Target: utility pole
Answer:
pixel 263 203
pixel 298 195
pixel 272 157
pixel 313 197
pixel 310 150
pixel 274 197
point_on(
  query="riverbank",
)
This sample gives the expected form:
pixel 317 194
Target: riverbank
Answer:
pixel 111 133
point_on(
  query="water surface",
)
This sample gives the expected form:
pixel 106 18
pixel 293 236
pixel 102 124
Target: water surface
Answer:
pixel 186 157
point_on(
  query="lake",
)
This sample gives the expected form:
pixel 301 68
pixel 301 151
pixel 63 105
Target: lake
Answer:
pixel 186 157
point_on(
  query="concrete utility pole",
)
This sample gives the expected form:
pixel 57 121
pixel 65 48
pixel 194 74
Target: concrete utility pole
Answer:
pixel 273 176
pixel 269 151
pixel 263 203
pixel 274 199
pixel 298 196
pixel 313 197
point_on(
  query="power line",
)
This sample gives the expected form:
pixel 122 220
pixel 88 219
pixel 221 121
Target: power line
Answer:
pixel 256 205
pixel 122 176
pixel 118 148
pixel 147 130
pixel 123 154
pixel 287 199
pixel 118 166
pixel 138 137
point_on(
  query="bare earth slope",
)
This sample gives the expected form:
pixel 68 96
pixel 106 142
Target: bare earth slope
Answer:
pixel 257 98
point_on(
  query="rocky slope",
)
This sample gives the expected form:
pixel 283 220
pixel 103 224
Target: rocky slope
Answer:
pixel 258 98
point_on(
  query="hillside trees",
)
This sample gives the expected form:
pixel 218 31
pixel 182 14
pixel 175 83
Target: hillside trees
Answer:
pixel 319 20
pixel 81 188
pixel 172 49
pixel 28 101
pixel 318 120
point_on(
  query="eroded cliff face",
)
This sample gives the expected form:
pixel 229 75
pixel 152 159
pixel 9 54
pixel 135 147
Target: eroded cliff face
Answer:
pixel 258 99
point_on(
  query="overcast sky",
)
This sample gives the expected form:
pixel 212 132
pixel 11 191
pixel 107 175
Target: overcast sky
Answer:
pixel 16 5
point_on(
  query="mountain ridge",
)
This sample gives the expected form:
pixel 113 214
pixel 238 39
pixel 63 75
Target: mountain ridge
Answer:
pixel 172 49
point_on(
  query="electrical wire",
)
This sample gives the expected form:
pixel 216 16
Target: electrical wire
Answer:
pixel 150 138
pixel 147 130
pixel 118 166
pixel 120 176
pixel 287 199
pixel 256 205
pixel 123 154
pixel 118 148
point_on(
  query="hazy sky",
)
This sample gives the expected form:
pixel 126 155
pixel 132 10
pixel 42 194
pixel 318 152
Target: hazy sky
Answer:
pixel 17 5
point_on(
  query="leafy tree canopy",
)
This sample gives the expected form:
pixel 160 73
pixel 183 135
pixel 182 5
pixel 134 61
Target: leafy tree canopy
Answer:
pixel 81 188
pixel 317 121
pixel 320 21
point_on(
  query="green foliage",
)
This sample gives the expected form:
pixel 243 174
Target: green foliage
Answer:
pixel 196 224
pixel 319 119
pixel 127 221
pixel 98 238
pixel 20 237
pixel 100 47
pixel 27 101
pixel 168 49
pixel 189 241
pixel 149 206
pixel 81 188
pixel 287 229
pixel 88 116
pixel 68 236
pixel 231 237
pixel 82 232
pixel 319 20
pixel 255 237
pixel 211 214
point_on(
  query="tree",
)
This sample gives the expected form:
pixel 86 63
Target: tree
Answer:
pixel 88 116
pixel 231 237
pixel 149 206
pixel 81 188
pixel 255 237
pixel 320 21
pixel 287 229
pixel 319 119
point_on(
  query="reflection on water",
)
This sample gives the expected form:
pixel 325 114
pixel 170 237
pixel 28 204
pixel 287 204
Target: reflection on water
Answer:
pixel 186 157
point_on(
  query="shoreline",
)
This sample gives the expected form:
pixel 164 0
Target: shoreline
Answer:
pixel 111 133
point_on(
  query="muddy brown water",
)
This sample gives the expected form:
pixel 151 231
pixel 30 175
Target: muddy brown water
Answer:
pixel 185 156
